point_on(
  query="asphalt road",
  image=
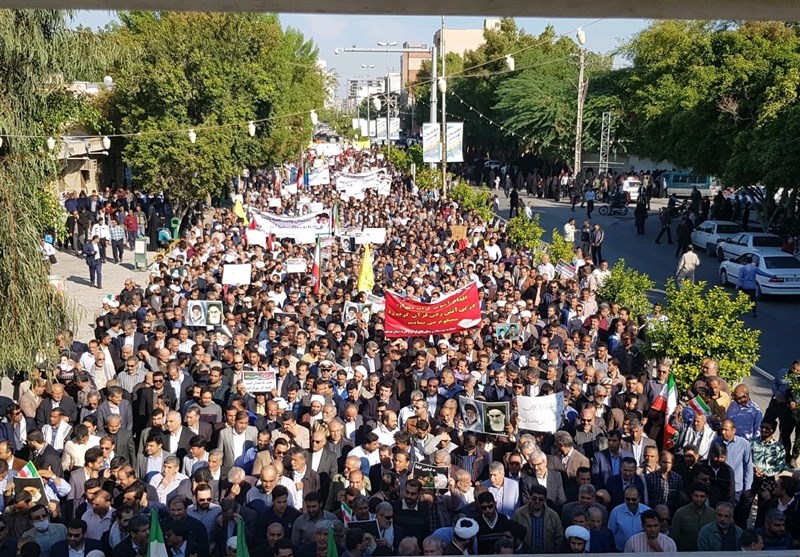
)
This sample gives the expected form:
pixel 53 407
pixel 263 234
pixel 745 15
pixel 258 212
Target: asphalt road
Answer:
pixel 780 341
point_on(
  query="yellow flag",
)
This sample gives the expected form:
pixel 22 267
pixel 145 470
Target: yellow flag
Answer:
pixel 366 277
pixel 238 210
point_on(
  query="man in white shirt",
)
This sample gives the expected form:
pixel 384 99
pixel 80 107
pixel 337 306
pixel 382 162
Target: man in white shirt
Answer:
pixel 387 428
pixel 546 268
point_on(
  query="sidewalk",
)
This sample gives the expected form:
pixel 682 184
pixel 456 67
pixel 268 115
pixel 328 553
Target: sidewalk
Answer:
pixel 75 273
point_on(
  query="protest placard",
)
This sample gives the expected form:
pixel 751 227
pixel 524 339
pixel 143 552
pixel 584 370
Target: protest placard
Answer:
pixel 236 274
pixel 564 269
pixel 259 381
pixel 540 413
pixel 296 265
pixel 432 477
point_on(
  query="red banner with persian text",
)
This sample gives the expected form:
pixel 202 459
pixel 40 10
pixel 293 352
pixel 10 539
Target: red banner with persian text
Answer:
pixel 458 311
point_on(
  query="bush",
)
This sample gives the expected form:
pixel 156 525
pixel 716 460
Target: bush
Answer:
pixel 628 288
pixel 474 200
pixel 559 248
pixel 526 232
pixel 705 324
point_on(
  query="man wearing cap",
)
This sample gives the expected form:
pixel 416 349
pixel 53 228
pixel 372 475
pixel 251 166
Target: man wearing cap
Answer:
pixel 464 532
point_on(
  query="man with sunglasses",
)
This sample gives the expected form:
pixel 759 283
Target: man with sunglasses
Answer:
pixel 491 524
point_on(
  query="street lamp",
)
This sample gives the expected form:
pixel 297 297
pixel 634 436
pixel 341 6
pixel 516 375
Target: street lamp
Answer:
pixel 368 67
pixel 387 45
pixel 581 36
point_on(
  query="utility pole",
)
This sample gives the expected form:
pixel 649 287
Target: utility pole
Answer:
pixel 581 98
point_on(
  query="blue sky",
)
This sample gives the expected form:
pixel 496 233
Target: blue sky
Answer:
pixel 332 31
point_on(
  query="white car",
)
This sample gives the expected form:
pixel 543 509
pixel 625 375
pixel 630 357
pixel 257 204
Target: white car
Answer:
pixel 631 187
pixel 748 242
pixel 784 267
pixel 708 234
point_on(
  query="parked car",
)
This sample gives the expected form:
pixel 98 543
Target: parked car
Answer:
pixel 708 234
pixel 784 267
pixel 748 242
pixel 631 187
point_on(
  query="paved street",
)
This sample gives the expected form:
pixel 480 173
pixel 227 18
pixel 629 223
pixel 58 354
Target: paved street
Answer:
pixel 778 343
pixel 75 274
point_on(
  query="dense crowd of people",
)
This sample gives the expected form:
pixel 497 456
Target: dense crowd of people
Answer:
pixel 154 413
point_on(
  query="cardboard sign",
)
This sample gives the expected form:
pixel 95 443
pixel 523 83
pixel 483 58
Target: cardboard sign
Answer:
pixel 540 413
pixel 458 232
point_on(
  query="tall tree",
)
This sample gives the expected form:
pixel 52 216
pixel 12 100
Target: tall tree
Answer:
pixel 212 73
pixel 38 56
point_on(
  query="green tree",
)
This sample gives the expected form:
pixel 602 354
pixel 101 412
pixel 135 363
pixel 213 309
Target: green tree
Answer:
pixel 525 232
pixel 38 56
pixel 720 98
pixel 704 324
pixel 559 248
pixel 628 288
pixel 212 73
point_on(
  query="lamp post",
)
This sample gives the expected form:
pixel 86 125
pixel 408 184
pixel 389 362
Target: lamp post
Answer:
pixel 581 36
pixel 368 67
pixel 388 45
pixel 442 84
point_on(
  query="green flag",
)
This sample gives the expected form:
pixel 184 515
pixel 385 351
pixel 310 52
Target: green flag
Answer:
pixel 241 542
pixel 156 547
pixel 331 551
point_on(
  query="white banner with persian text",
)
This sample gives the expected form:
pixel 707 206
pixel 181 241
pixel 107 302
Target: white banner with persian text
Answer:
pixel 540 413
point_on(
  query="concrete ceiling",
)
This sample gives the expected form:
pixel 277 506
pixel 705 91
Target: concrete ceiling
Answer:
pixel 781 10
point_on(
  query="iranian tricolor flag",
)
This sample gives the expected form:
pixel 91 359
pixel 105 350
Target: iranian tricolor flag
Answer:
pixel 316 266
pixel 28 471
pixel 699 406
pixel 347 513
pixel 667 402
pixel 156 547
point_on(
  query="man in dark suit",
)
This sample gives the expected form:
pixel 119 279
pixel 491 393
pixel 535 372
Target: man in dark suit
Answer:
pixel 636 442
pixel 139 530
pixel 177 513
pixel 608 462
pixel 285 379
pixel 196 425
pixel 16 420
pixel 44 456
pixel 146 399
pixel 385 388
pixel 57 399
pixel 178 538
pixel 540 475
pixel 115 405
pixel 177 437
pixel 76 544
pixel 227 528
pixel 616 485
pixel 301 472
pixel 123 438
pixel 129 333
